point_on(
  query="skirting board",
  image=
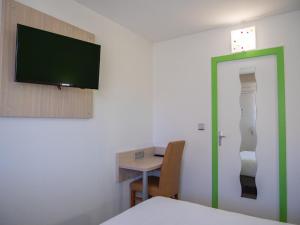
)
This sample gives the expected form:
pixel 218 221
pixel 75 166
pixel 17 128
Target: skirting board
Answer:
pixel 34 100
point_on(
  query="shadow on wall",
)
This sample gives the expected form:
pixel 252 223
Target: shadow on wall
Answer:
pixel 94 216
pixel 78 220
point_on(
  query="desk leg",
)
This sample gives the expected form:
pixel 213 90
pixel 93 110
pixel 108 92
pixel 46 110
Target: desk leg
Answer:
pixel 145 185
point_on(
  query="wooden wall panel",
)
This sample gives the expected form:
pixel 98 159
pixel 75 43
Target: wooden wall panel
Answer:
pixel 34 100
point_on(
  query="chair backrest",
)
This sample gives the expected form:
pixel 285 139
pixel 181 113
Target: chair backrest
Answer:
pixel 170 171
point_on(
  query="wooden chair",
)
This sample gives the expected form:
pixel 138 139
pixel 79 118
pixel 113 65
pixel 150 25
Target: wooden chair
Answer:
pixel 168 183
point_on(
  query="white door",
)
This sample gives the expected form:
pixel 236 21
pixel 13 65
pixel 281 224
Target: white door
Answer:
pixel 248 120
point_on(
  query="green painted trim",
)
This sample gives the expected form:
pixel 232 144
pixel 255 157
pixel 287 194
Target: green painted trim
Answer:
pixel 282 137
pixel 214 110
pixel 279 53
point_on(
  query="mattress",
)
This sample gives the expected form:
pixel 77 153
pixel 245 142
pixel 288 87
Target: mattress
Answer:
pixel 166 211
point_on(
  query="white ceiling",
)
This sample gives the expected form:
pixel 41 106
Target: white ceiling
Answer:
pixel 159 20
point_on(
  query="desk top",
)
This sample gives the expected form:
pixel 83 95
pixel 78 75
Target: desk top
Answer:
pixel 144 164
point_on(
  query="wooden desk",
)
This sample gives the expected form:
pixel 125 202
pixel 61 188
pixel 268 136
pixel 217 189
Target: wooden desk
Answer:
pixel 143 165
pixel 129 167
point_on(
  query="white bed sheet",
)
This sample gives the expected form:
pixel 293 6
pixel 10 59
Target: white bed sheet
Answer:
pixel 166 211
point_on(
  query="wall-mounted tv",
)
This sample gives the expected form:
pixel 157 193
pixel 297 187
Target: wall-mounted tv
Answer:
pixel 47 58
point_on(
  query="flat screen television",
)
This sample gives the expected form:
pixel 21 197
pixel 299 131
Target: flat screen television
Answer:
pixel 47 58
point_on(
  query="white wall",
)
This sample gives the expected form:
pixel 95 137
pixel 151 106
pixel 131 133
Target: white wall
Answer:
pixel 182 99
pixel 62 171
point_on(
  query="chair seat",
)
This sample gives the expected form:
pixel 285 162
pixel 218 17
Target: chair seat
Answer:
pixel 153 183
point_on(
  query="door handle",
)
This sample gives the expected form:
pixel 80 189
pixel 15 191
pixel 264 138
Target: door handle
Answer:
pixel 221 136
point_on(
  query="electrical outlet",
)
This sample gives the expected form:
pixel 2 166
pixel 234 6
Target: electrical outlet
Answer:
pixel 139 155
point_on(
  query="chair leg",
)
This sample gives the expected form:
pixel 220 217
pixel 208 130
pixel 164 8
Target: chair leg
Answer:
pixel 132 198
pixel 176 196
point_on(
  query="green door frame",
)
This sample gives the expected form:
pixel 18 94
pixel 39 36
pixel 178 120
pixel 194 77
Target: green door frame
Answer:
pixel 279 53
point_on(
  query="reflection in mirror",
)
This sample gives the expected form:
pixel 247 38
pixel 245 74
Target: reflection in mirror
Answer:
pixel 248 135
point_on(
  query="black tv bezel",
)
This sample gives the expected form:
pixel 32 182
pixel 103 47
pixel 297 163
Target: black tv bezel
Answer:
pixel 58 84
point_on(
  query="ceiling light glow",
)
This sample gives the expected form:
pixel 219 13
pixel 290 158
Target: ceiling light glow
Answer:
pixel 243 39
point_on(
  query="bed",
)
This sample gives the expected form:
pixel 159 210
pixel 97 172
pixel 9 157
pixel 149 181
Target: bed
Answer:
pixel 166 211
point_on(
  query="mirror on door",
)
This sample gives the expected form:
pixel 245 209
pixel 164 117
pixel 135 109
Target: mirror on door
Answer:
pixel 248 135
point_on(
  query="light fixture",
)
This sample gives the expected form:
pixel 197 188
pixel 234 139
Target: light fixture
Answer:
pixel 243 39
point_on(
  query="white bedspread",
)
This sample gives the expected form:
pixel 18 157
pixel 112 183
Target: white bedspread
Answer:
pixel 166 211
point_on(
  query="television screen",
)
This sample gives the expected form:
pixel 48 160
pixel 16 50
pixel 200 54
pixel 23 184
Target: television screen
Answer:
pixel 46 58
